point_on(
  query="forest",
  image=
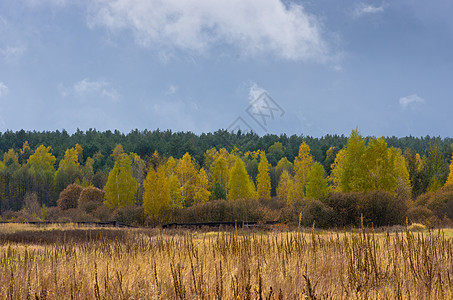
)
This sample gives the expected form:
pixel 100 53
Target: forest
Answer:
pixel 157 177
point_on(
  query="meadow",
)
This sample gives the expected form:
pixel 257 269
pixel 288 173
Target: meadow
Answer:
pixel 72 262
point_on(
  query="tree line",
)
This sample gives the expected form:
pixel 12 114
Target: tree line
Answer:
pixel 161 172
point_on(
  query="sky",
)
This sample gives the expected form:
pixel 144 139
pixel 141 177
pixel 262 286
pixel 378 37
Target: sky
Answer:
pixel 272 66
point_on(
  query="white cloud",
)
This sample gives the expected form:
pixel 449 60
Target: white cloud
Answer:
pixel 86 88
pixel 3 89
pixel 254 97
pixel 60 3
pixel 410 101
pixel 366 9
pixel 253 26
pixel 12 52
pixel 171 90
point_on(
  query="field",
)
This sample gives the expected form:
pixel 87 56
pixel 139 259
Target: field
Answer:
pixel 70 262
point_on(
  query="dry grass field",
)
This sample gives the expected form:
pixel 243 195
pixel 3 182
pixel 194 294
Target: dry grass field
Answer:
pixel 70 262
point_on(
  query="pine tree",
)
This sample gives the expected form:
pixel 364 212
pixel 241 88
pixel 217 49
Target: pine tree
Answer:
pixel 263 179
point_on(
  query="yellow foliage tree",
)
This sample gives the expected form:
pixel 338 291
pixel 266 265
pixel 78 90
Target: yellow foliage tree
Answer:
pixel 403 185
pixel 219 172
pixel 121 187
pixel 88 172
pixel 174 186
pixel 25 153
pixel 302 165
pixel 240 185
pixel 285 188
pixel 79 150
pixel 68 171
pixel 41 166
pixel 335 174
pixel 450 176
pixel 317 186
pixel 156 195
pixel 117 152
pixel 187 175
pixel 284 164
pixel 201 190
pixel 11 157
pixel 42 159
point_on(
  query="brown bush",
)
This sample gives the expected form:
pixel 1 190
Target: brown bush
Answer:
pixel 290 213
pixel 318 213
pixel 132 215
pixel 89 207
pixel 103 213
pixel 346 208
pixel 418 214
pixel 91 194
pixel 248 210
pixel 69 197
pixel 18 216
pixel 423 199
pixel 75 215
pixel 53 213
pixel 383 209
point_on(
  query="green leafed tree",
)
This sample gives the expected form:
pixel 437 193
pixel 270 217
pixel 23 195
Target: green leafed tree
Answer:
pixel 450 175
pixel 263 180
pixel 317 186
pixel 240 186
pixel 349 171
pixel 42 171
pixel 69 170
pixel 302 165
pixel 121 187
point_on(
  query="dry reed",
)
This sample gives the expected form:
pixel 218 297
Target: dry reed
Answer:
pixel 152 264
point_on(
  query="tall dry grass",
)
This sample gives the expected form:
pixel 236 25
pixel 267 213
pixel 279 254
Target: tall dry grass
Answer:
pixel 152 264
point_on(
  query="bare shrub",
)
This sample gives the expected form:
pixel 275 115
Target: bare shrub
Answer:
pixel 346 207
pixel 132 215
pixel 31 204
pixel 318 213
pixel 103 213
pixel 91 194
pixel 69 197
pixel 418 214
pixel 383 209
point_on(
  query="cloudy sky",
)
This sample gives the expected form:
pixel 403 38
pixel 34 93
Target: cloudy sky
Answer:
pixel 310 67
